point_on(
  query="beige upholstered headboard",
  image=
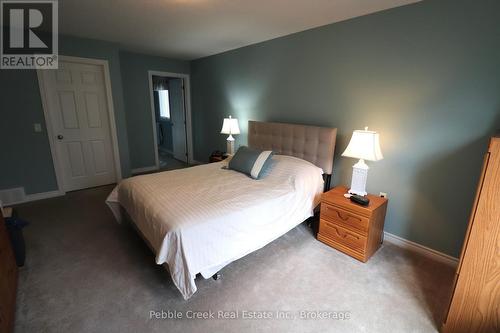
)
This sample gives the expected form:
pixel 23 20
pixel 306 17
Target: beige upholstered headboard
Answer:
pixel 311 143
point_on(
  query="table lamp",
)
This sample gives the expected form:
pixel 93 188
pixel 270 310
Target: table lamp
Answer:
pixel 230 126
pixel 364 145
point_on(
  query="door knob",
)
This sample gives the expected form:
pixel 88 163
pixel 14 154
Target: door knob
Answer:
pixel 60 137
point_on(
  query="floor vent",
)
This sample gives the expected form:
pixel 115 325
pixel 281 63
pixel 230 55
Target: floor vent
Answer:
pixel 12 195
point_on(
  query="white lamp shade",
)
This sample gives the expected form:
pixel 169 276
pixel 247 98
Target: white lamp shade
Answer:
pixel 230 126
pixel 364 145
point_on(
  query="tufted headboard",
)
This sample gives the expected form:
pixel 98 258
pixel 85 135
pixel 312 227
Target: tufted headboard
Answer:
pixel 311 143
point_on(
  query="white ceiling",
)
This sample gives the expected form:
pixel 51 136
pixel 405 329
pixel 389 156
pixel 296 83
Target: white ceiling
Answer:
pixel 190 29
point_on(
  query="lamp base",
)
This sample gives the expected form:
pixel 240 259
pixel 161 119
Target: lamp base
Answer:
pixel 351 191
pixel 230 145
pixel 359 176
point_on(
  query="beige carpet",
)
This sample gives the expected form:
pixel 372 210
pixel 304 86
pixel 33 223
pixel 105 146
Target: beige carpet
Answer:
pixel 86 273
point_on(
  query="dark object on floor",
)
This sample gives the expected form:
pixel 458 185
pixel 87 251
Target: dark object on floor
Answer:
pixel 328 179
pixel 8 280
pixel 363 201
pixel 217 156
pixel 15 230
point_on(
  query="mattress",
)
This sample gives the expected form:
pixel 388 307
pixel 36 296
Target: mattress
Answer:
pixel 199 219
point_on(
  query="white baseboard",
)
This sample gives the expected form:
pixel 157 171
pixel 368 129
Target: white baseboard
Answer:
pixel 12 195
pixel 144 169
pixel 44 195
pixel 424 250
pixel 35 197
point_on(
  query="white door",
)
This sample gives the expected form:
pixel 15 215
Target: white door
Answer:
pixel 178 119
pixel 78 112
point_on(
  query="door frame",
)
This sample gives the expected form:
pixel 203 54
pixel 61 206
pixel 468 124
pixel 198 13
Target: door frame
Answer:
pixel 187 109
pixel 111 114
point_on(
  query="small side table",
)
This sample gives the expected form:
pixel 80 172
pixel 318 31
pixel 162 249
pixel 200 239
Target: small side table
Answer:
pixel 351 228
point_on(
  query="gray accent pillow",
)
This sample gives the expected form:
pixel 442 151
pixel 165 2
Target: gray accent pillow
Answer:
pixel 250 161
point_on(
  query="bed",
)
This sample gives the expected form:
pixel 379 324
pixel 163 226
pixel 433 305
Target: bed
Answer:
pixel 200 219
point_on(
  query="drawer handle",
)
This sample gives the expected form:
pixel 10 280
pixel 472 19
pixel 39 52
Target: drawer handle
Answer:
pixel 344 236
pixel 339 214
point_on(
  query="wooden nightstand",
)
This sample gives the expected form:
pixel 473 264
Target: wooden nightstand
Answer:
pixel 351 228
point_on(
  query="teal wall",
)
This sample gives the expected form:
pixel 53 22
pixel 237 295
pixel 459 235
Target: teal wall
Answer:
pixel 25 155
pixel 135 69
pixel 426 76
pixel 26 159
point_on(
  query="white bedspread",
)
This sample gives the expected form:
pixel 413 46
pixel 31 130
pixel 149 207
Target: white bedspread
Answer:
pixel 202 218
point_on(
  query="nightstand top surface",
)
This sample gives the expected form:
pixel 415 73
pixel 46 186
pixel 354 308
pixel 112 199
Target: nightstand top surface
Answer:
pixel 336 196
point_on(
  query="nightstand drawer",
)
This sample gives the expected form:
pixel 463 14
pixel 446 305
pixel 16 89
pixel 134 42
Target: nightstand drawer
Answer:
pixel 345 218
pixel 342 235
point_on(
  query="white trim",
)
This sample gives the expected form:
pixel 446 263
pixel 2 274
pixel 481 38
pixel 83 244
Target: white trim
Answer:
pixel 187 107
pixel 50 134
pixel 111 114
pixel 112 122
pixel 424 250
pixel 144 170
pixel 153 122
pixel 37 196
pixel 42 195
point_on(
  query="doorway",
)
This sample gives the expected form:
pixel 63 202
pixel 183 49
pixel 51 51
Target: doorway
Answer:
pixel 78 110
pixel 171 119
